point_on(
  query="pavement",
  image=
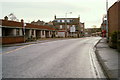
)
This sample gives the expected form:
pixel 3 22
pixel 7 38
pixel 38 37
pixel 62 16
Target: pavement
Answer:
pixel 34 42
pixel 109 59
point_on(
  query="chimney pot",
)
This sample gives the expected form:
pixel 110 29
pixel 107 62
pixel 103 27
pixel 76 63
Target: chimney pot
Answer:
pixel 6 18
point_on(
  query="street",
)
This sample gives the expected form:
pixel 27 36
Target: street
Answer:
pixel 70 58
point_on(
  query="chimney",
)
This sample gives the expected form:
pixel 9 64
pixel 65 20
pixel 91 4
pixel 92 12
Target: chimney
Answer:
pixel 79 17
pixel 55 16
pixel 22 20
pixel 6 18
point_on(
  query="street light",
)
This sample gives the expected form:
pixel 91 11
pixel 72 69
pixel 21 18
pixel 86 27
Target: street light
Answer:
pixel 66 21
pixel 107 19
pixel 24 24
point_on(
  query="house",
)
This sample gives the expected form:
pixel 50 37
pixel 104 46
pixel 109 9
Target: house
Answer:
pixel 12 32
pixel 114 22
pixel 38 22
pixel 16 32
pixel 68 27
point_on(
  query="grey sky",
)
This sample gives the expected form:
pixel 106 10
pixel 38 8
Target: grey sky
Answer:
pixel 90 11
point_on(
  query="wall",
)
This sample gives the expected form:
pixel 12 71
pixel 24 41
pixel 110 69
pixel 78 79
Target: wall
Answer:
pixel 10 40
pixel 113 19
pixel 61 34
pixel 42 36
pixel 0 31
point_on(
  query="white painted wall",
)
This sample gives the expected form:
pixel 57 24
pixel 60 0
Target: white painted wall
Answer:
pixel 21 34
pixel 50 35
pixel 56 34
pixel 30 33
pixel 34 33
pixel 42 36
pixel 61 34
pixel 14 32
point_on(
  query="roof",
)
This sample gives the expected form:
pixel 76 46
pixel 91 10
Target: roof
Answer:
pixel 67 18
pixel 115 4
pixel 9 23
pixel 38 26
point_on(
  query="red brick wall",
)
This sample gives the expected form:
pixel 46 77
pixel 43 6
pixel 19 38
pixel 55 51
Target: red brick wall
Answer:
pixel 10 40
pixel 113 18
pixel 119 15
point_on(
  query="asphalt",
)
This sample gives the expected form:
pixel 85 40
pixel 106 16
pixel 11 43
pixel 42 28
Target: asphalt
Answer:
pixel 35 42
pixel 109 59
pixel 72 58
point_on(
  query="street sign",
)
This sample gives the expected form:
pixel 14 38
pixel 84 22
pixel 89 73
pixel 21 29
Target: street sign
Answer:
pixel 72 29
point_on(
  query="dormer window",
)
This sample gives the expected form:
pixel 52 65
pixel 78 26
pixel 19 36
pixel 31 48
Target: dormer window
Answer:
pixel 58 20
pixel 63 20
pixel 68 20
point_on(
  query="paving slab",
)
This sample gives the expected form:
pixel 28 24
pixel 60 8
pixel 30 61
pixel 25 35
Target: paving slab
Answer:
pixel 108 58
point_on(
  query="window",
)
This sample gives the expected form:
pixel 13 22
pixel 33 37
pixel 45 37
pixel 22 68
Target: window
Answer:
pixel 68 20
pixel 63 20
pixel 58 20
pixel 61 26
pixel 71 20
pixel 81 29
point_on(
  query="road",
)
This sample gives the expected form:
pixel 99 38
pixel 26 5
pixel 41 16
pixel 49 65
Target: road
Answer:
pixel 71 58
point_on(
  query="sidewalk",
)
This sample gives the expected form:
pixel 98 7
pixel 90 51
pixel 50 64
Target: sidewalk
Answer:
pixel 35 42
pixel 108 59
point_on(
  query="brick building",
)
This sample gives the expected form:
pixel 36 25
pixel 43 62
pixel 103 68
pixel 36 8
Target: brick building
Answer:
pixel 68 27
pixel 114 20
pixel 15 32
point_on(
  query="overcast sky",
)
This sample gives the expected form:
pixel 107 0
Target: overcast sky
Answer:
pixel 90 11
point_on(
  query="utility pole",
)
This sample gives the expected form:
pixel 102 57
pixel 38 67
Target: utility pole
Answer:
pixel 107 19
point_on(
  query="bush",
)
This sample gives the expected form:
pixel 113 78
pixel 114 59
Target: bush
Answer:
pixel 114 37
pixel 114 40
pixel 118 45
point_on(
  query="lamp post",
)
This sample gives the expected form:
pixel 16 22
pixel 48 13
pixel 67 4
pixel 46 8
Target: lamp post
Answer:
pixel 66 22
pixel 24 31
pixel 107 19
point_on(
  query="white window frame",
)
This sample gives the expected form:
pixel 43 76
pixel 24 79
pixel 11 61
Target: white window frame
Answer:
pixel 68 20
pixel 63 20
